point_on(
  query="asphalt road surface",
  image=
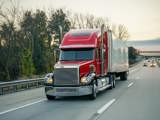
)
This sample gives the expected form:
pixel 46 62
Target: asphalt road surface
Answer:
pixel 138 98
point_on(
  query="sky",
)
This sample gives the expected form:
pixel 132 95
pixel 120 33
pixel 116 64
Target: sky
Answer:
pixel 141 17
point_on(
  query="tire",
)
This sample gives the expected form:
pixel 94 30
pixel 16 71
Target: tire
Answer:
pixel 94 92
pixel 123 76
pixel 50 97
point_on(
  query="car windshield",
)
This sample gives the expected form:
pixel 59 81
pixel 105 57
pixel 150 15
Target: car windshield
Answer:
pixel 76 54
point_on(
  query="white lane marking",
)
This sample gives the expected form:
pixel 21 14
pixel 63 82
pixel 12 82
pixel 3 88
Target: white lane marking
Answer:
pixel 106 106
pixel 130 84
pixel 133 70
pixel 26 105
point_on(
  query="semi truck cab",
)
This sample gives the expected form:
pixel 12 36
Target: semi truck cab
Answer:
pixel 84 65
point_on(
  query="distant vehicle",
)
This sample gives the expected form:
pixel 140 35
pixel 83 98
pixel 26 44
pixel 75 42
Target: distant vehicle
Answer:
pixel 153 64
pixel 145 64
pixel 89 62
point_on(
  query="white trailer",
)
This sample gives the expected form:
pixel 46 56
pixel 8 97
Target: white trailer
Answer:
pixel 118 56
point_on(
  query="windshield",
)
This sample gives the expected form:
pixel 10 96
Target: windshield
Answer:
pixel 76 54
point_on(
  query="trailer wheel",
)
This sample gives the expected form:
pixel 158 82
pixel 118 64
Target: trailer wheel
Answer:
pixel 123 76
pixel 50 97
pixel 94 91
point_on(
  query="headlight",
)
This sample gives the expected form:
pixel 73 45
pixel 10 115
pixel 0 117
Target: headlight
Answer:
pixel 87 79
pixel 49 78
pixel 84 80
pixel 49 81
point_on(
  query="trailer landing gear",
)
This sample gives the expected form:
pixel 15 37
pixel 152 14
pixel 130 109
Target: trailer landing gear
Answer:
pixel 123 76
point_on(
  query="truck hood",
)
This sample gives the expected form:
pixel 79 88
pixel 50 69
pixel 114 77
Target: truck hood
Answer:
pixel 84 66
pixel 79 63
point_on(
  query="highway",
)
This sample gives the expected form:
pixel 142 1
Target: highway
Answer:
pixel 138 98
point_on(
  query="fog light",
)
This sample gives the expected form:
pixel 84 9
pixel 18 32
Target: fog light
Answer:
pixel 84 80
pixel 49 81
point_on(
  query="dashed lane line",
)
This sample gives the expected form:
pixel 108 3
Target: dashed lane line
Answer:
pixel 130 84
pixel 106 106
pixel 133 70
pixel 96 115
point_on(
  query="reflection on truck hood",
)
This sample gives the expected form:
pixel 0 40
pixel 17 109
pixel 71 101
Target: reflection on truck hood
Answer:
pixel 75 62
pixel 71 63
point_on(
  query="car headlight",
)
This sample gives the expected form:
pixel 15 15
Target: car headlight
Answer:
pixel 49 81
pixel 49 78
pixel 84 80
pixel 87 79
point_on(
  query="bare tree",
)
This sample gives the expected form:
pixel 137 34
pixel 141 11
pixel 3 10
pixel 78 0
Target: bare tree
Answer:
pixel 8 25
pixel 72 19
pixel 123 32
pixel 82 20
pixel 120 31
pixel 90 21
pixel 9 15
pixel 79 20
pixel 98 22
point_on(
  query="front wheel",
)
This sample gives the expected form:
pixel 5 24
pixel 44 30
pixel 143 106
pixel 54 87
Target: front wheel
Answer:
pixel 50 97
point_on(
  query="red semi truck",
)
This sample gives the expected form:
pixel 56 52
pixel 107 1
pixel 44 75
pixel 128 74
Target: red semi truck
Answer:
pixel 89 62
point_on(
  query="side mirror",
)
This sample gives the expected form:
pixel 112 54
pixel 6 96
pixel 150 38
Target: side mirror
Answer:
pixel 92 68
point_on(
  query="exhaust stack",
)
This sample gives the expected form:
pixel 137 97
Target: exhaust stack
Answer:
pixel 102 49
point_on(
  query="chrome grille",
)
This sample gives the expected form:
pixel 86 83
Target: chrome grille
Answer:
pixel 66 76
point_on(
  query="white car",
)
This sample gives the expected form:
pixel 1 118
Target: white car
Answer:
pixel 153 64
pixel 145 64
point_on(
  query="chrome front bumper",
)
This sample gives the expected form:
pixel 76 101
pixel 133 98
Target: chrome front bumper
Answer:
pixel 68 91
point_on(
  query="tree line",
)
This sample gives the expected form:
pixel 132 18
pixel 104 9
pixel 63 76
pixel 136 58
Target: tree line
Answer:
pixel 26 38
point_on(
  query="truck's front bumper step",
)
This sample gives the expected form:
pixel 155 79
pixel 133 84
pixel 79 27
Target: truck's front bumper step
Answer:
pixel 68 91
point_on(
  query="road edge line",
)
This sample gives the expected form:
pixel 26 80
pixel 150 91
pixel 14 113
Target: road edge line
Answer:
pixel 16 108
